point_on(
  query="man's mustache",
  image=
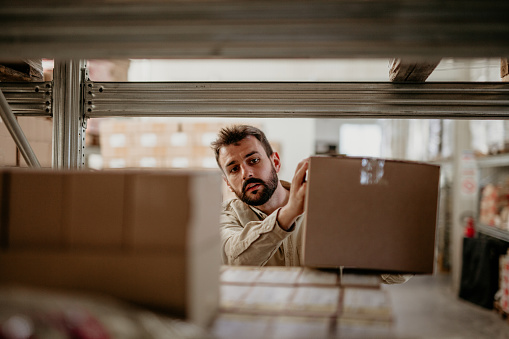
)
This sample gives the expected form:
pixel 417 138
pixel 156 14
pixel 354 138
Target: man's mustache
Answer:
pixel 252 181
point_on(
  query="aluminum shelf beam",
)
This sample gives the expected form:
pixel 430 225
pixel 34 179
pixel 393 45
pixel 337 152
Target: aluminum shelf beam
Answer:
pixel 29 98
pixel 254 29
pixel 486 100
pixel 68 119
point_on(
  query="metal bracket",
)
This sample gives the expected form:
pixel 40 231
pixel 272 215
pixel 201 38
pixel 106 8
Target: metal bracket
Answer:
pixel 83 118
pixel 68 127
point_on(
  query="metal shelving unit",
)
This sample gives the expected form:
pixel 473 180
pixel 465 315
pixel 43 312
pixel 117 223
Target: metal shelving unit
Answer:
pixel 493 232
pixel 412 29
pixel 70 32
pixel 491 163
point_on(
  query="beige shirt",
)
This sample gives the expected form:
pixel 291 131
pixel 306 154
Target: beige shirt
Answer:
pixel 250 237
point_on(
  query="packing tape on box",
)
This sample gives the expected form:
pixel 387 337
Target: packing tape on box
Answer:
pixel 372 171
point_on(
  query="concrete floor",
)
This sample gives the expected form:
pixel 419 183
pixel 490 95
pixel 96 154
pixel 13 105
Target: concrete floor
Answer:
pixel 425 307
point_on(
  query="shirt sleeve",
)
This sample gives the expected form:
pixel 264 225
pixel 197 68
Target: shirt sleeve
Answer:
pixel 246 241
pixel 395 278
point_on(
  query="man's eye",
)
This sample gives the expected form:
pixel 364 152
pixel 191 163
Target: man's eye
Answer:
pixel 255 160
pixel 234 169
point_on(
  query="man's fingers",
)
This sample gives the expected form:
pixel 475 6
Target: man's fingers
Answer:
pixel 300 172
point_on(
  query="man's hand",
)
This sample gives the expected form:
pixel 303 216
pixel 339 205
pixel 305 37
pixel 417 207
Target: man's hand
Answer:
pixel 295 205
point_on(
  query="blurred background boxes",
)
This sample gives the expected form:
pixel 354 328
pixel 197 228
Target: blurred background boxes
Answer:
pixel 148 237
pixel 39 133
pixel 163 143
pixel 7 147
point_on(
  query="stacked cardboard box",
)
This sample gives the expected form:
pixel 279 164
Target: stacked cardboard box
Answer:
pixel 143 143
pixel 147 237
pixel 297 302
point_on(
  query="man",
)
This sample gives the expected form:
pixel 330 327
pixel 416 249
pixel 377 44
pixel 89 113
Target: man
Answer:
pixel 263 224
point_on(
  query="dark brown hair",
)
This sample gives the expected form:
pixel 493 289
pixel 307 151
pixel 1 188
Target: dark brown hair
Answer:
pixel 234 134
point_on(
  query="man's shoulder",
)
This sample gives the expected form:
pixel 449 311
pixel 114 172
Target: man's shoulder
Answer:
pixel 234 204
pixel 240 210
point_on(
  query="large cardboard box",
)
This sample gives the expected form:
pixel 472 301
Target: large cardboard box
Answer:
pixel 33 209
pixel 149 237
pixel 371 214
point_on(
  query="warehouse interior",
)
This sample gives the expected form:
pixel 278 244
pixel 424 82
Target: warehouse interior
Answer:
pixel 119 101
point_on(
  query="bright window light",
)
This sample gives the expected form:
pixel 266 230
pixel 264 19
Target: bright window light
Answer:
pixel 360 140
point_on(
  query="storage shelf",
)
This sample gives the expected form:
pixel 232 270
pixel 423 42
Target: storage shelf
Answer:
pixel 501 160
pixel 493 232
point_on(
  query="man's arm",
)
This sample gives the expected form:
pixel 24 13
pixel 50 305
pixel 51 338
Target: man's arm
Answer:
pixel 245 239
pixel 295 206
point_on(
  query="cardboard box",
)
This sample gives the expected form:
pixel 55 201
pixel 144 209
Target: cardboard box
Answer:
pixel 94 209
pixel 147 161
pixel 116 162
pixel 184 285
pixel 371 214
pixel 149 237
pixel 7 147
pixel 43 151
pixel 39 133
pixel 35 213
pixel 7 150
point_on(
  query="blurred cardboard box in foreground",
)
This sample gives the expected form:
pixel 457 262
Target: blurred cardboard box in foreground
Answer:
pixel 149 237
pixel 372 214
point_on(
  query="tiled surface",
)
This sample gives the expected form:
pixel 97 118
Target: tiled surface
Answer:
pixel 295 302
pixel 304 306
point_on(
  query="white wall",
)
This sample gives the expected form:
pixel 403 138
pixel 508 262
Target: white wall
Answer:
pixel 297 140
pixel 259 70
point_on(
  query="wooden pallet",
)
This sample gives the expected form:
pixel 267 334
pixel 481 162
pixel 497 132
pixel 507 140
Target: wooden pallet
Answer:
pixel 22 70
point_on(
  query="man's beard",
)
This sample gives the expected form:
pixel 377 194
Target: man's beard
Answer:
pixel 266 191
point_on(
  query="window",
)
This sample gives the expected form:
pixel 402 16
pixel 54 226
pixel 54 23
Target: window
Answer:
pixel 360 140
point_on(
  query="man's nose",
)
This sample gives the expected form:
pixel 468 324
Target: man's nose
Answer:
pixel 246 172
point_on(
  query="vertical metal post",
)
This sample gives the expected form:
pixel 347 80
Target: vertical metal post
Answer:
pixel 68 118
pixel 17 133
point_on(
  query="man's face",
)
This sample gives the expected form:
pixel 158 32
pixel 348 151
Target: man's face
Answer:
pixel 249 172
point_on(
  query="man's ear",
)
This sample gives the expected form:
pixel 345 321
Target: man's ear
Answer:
pixel 276 161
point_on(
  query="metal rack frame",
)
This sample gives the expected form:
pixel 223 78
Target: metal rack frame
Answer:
pixel 419 29
pixel 72 99
pixel 411 29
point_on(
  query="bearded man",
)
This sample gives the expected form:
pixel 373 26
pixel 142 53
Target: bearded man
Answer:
pixel 262 226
